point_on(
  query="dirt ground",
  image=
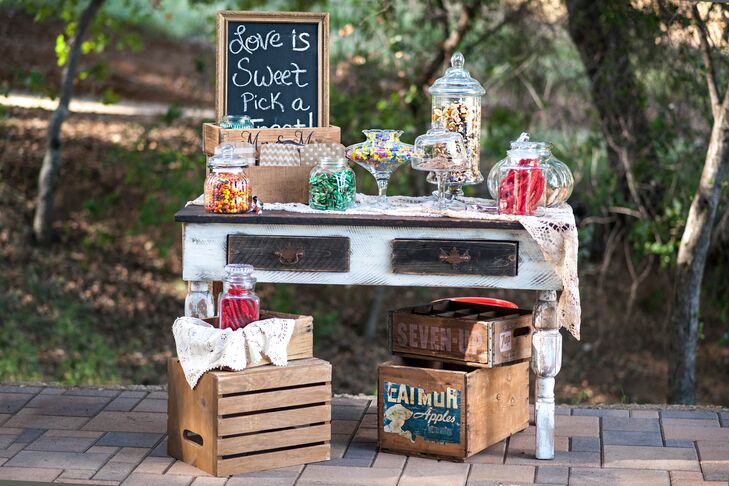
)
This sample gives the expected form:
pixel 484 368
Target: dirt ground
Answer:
pixel 117 253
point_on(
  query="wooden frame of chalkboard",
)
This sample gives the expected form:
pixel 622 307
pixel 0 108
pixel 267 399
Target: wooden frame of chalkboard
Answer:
pixel 264 42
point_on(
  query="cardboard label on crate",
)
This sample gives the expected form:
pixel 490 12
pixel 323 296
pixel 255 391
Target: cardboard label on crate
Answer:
pixel 412 411
pixel 505 341
pixel 436 338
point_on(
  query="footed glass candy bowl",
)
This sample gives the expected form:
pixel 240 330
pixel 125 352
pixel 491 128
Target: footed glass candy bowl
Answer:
pixel 381 154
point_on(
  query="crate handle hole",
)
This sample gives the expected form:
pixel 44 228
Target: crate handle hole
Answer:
pixel 521 331
pixel 193 437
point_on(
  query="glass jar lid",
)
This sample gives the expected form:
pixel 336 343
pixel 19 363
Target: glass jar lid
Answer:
pixel 334 162
pixel 239 273
pixel 230 155
pixel 456 81
pixel 523 147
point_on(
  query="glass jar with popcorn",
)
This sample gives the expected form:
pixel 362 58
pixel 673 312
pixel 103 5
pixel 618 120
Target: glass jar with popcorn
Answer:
pixel 457 106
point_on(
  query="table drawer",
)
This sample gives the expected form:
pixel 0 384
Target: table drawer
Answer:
pixel 455 257
pixel 290 253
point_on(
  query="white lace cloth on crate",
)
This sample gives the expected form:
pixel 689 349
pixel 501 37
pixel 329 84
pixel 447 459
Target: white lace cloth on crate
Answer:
pixel 202 347
pixel 555 233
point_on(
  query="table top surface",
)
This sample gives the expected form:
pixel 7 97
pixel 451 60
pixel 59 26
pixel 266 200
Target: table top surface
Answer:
pixel 197 214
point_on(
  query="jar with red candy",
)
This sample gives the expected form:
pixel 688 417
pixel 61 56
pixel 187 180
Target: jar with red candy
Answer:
pixel 227 189
pixel 238 304
pixel 521 187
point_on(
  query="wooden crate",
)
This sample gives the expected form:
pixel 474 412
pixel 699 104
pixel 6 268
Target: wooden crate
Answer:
pixel 213 135
pixel 257 419
pixel 459 332
pixel 301 344
pixel 450 413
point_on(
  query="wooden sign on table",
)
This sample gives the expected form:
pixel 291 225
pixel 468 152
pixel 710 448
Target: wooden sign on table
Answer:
pixel 273 67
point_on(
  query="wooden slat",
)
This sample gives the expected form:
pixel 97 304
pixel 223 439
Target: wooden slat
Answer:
pixel 214 135
pixel 193 410
pixel 299 372
pixel 260 462
pixel 197 214
pixel 274 440
pixel 455 257
pixel 274 420
pixel 290 253
pixel 274 399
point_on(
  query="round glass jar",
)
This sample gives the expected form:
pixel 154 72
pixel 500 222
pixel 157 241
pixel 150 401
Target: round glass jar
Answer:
pixel 199 301
pixel 227 189
pixel 238 304
pixel 457 106
pixel 332 185
pixel 558 179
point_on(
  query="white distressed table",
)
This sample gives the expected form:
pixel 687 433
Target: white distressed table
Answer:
pixel 337 249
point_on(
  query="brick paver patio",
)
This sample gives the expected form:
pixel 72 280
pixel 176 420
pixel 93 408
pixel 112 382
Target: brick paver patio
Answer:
pixel 112 436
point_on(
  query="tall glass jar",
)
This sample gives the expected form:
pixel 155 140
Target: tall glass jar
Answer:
pixel 238 303
pixel 332 184
pixel 227 189
pixel 457 106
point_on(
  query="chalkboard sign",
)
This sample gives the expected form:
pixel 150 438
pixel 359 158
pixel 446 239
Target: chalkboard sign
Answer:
pixel 274 67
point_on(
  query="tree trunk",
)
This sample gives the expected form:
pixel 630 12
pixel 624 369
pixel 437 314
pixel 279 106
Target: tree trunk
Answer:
pixel 599 29
pixel 691 262
pixel 52 159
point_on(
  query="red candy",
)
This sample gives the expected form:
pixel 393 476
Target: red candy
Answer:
pixel 522 189
pixel 237 313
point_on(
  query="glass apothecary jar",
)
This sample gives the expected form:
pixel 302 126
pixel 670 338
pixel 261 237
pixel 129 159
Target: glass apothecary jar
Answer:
pixel 332 185
pixel 558 179
pixel 457 106
pixel 521 181
pixel 238 303
pixel 227 189
pixel 440 152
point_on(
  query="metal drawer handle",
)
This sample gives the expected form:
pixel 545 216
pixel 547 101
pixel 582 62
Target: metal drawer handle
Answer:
pixel 454 257
pixel 289 255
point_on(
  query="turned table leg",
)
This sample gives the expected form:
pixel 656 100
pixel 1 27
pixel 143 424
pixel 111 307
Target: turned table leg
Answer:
pixel 546 363
pixel 199 300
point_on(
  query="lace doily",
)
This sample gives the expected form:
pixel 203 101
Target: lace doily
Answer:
pixel 202 347
pixel 555 233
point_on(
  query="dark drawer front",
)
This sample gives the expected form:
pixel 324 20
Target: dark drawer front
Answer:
pixel 455 257
pixel 290 253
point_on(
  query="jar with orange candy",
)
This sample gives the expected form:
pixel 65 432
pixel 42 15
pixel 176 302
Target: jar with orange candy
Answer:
pixel 227 189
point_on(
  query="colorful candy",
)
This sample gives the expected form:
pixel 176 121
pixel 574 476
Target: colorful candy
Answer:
pixel 227 192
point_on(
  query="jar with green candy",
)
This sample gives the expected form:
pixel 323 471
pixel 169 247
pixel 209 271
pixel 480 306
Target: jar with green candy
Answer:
pixel 332 185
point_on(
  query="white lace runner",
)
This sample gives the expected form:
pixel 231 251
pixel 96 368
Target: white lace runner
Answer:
pixel 202 347
pixel 555 233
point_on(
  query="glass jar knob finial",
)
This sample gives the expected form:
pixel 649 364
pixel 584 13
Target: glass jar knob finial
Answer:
pixel 457 60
